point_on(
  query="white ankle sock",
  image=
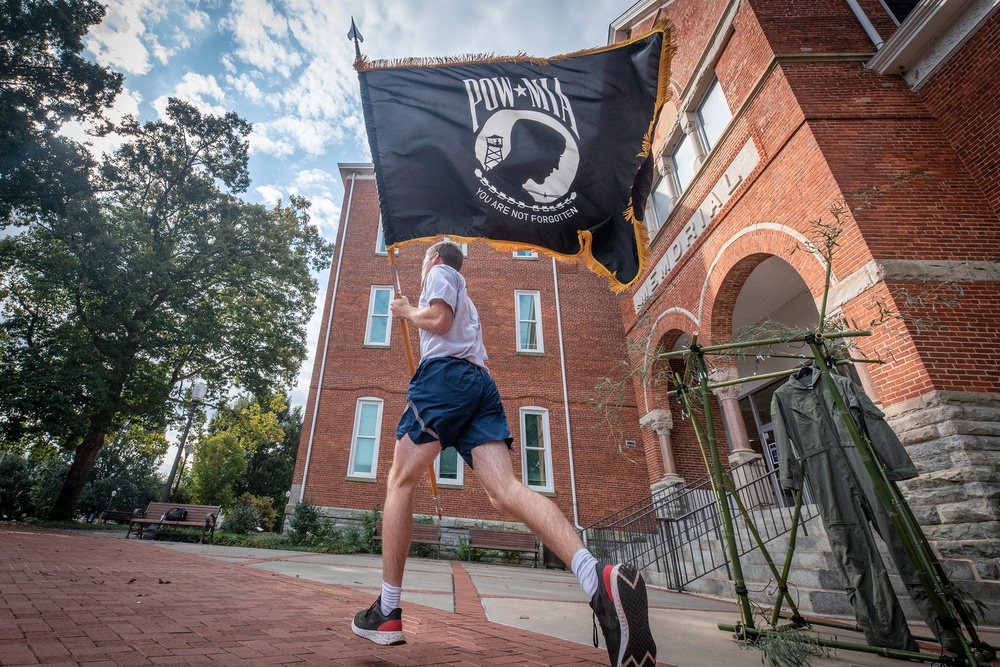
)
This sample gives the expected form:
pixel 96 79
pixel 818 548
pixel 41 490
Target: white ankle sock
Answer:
pixel 390 597
pixel 584 566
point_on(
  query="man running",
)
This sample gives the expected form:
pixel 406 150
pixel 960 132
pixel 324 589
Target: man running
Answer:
pixel 453 402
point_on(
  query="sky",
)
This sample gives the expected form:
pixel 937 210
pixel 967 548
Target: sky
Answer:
pixel 286 67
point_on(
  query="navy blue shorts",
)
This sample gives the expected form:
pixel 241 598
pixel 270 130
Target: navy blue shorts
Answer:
pixel 455 402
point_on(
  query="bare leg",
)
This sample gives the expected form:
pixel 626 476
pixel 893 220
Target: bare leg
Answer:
pixel 409 463
pixel 494 469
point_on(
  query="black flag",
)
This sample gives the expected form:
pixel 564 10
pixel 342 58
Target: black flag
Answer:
pixel 549 154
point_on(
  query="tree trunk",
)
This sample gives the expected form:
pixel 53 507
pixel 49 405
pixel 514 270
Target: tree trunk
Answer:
pixel 83 461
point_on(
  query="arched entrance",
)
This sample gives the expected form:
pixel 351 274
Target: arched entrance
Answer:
pixel 772 293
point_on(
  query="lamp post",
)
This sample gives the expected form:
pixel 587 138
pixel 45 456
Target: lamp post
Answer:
pixel 188 450
pixel 111 499
pixel 198 392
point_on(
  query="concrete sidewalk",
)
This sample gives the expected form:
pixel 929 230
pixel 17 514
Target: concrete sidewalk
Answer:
pixel 73 598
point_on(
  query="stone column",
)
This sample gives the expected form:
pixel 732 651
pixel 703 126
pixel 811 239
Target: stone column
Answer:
pixel 666 169
pixel 691 126
pixel 747 466
pixel 661 422
pixel 736 430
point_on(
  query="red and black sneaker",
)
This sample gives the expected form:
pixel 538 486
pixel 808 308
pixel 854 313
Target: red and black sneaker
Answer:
pixel 621 608
pixel 379 628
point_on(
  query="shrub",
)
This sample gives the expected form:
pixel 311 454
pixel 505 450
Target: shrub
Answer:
pixel 264 507
pixel 15 487
pixel 305 521
pixel 241 519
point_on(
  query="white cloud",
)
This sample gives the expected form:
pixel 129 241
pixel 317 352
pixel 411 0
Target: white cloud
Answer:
pixel 196 20
pixel 194 88
pixel 246 87
pixel 118 40
pixel 160 52
pixel 269 194
pixel 262 37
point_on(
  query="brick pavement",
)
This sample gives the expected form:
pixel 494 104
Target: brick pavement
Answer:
pixel 72 599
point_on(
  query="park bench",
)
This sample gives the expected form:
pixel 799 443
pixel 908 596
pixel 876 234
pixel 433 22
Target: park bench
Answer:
pixel 502 540
pixel 116 516
pixel 423 533
pixel 198 516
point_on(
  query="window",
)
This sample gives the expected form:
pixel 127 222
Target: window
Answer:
pixel 525 254
pixel 380 239
pixel 365 439
pixel 714 115
pixel 702 129
pixel 448 468
pixel 379 322
pixel 684 164
pixel 536 452
pixel 661 202
pixel 529 322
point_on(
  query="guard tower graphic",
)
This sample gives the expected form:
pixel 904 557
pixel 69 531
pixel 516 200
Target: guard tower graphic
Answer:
pixel 494 151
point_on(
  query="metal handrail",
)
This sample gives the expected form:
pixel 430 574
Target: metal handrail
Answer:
pixel 678 533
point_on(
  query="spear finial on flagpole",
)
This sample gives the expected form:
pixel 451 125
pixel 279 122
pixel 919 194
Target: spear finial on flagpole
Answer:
pixel 356 35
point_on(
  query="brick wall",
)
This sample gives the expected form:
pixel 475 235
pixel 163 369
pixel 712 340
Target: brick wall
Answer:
pixel 608 475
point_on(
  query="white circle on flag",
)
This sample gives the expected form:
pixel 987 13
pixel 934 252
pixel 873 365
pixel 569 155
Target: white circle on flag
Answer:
pixel 559 181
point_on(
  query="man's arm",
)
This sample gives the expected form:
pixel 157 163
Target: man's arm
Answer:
pixel 435 318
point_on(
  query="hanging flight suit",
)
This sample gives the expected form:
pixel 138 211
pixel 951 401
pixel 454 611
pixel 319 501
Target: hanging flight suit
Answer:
pixel 808 429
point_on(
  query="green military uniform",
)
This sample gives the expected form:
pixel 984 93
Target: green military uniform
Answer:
pixel 808 429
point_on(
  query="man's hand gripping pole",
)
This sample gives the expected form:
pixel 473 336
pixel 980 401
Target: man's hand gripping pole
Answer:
pixel 408 346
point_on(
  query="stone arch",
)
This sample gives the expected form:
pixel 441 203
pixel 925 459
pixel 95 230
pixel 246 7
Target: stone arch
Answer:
pixel 667 329
pixel 738 258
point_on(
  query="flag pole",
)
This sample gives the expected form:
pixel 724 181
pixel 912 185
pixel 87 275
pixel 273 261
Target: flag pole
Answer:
pixel 408 346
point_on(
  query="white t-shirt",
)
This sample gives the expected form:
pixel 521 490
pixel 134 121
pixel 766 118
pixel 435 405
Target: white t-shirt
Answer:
pixel 464 340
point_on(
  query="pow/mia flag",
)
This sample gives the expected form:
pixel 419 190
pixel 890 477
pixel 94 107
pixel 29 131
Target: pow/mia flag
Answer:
pixel 552 155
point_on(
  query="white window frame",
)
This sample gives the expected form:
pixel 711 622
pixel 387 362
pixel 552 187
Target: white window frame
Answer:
pixel 539 339
pixel 660 204
pixel 715 87
pixel 371 315
pixel 688 165
pixel 527 254
pixel 460 477
pixel 546 448
pixel 695 139
pixel 380 248
pixel 377 436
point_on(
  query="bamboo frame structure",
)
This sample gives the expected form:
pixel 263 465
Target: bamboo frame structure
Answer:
pixel 970 652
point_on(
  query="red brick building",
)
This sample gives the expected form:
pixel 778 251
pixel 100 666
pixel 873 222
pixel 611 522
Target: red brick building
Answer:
pixel 781 110
pixel 552 329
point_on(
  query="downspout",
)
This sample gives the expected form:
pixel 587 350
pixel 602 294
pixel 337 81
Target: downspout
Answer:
pixel 562 368
pixel 326 342
pixel 866 24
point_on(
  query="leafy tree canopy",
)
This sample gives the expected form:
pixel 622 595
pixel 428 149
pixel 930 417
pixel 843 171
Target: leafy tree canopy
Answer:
pixel 43 83
pixel 164 276
pixel 218 463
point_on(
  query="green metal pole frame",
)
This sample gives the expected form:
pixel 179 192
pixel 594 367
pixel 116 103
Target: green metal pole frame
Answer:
pixel 892 500
pixel 751 526
pixel 701 368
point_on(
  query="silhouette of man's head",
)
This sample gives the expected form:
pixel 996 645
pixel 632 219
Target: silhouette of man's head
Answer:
pixel 535 151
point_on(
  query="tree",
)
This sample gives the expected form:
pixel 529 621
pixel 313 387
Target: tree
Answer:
pixel 270 467
pixel 128 466
pixel 164 277
pixel 43 83
pixel 218 463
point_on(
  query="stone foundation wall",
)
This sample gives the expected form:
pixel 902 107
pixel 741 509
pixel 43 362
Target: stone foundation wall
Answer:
pixel 954 440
